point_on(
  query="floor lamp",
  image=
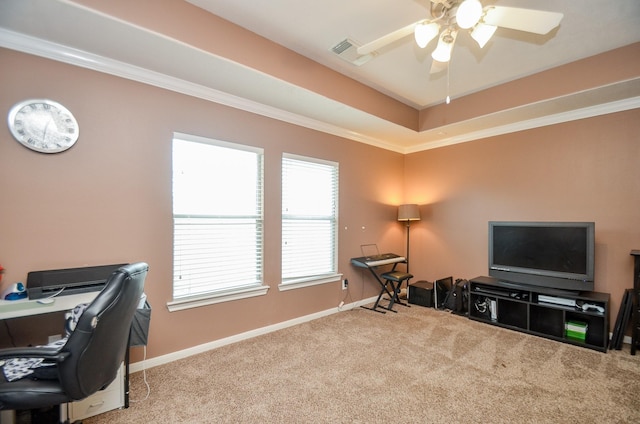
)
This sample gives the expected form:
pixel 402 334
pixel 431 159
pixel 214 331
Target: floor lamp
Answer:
pixel 408 213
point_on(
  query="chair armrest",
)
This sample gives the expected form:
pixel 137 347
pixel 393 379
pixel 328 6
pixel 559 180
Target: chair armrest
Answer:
pixel 48 353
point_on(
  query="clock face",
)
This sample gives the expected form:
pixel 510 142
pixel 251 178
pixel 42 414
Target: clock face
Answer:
pixel 43 125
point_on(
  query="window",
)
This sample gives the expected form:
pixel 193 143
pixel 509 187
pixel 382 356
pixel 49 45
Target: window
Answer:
pixel 309 221
pixel 217 221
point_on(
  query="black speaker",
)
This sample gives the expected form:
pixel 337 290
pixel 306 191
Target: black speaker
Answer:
pixel 458 297
pixel 421 293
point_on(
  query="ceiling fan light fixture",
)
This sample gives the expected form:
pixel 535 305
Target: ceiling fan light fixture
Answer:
pixel 424 33
pixel 482 33
pixel 442 53
pixel 469 13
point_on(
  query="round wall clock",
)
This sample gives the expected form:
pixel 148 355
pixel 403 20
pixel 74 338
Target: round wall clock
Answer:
pixel 43 125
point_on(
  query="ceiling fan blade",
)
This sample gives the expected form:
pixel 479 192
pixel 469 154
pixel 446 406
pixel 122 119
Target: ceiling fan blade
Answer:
pixel 536 21
pixel 387 39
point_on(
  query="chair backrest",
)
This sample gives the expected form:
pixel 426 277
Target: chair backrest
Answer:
pixel 98 344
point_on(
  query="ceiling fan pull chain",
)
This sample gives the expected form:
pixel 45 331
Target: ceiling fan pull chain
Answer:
pixel 448 99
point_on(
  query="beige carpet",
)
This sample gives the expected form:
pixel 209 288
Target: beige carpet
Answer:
pixel 417 366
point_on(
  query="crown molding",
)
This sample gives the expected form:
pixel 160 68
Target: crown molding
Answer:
pixel 72 56
pixel 557 118
pixel 69 55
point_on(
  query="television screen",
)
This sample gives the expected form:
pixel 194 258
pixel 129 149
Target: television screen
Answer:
pixel 550 254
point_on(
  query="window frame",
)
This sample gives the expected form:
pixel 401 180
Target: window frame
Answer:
pixel 225 294
pixel 333 275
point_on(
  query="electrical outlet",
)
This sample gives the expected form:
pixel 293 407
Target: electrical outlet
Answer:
pixel 345 284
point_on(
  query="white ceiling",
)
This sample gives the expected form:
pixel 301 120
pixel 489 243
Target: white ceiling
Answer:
pixel 73 33
pixel 402 70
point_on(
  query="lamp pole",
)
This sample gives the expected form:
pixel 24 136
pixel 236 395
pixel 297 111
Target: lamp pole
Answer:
pixel 408 213
pixel 408 228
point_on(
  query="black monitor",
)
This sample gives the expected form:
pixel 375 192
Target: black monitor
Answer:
pixel 558 255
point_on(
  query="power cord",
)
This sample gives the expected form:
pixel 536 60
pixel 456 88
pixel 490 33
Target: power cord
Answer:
pixel 8 330
pixel 144 378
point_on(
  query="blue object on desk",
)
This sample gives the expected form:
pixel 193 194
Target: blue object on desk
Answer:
pixel 15 292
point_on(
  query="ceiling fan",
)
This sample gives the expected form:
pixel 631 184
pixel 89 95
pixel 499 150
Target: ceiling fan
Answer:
pixel 448 17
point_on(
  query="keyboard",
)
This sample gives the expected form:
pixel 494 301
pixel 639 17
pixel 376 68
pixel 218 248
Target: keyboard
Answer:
pixel 377 260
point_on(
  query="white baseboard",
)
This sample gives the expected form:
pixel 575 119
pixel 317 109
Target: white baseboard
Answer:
pixel 174 356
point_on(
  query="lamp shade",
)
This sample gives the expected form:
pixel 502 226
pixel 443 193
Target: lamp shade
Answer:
pixel 408 213
pixel 482 33
pixel 442 53
pixel 424 33
pixel 469 13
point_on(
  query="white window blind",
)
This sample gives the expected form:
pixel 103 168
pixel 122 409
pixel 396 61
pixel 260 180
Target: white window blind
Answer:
pixel 217 214
pixel 309 218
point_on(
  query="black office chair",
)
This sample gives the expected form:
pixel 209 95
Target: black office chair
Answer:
pixel 91 356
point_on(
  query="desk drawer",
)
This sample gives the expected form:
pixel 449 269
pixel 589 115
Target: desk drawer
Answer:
pixel 105 400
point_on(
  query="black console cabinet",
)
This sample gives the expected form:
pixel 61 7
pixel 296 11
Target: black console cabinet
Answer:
pixel 536 310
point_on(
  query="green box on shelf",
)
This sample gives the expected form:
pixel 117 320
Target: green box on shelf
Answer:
pixel 576 330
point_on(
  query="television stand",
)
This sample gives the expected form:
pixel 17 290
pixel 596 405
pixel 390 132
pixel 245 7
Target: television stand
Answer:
pixel 581 319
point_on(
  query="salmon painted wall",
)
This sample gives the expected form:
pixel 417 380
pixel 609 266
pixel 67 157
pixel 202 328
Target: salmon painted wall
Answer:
pixel 108 199
pixel 72 209
pixel 586 170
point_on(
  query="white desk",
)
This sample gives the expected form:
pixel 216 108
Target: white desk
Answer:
pixel 25 307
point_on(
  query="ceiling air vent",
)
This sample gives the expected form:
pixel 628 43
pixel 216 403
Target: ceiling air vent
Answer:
pixel 348 50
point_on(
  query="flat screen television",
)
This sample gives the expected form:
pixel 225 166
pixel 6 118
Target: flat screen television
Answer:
pixel 556 255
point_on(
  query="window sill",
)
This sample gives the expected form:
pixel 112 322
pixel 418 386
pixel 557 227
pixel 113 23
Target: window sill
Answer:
pixel 310 281
pixel 219 297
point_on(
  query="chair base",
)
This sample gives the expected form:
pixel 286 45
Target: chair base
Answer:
pixel 391 286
